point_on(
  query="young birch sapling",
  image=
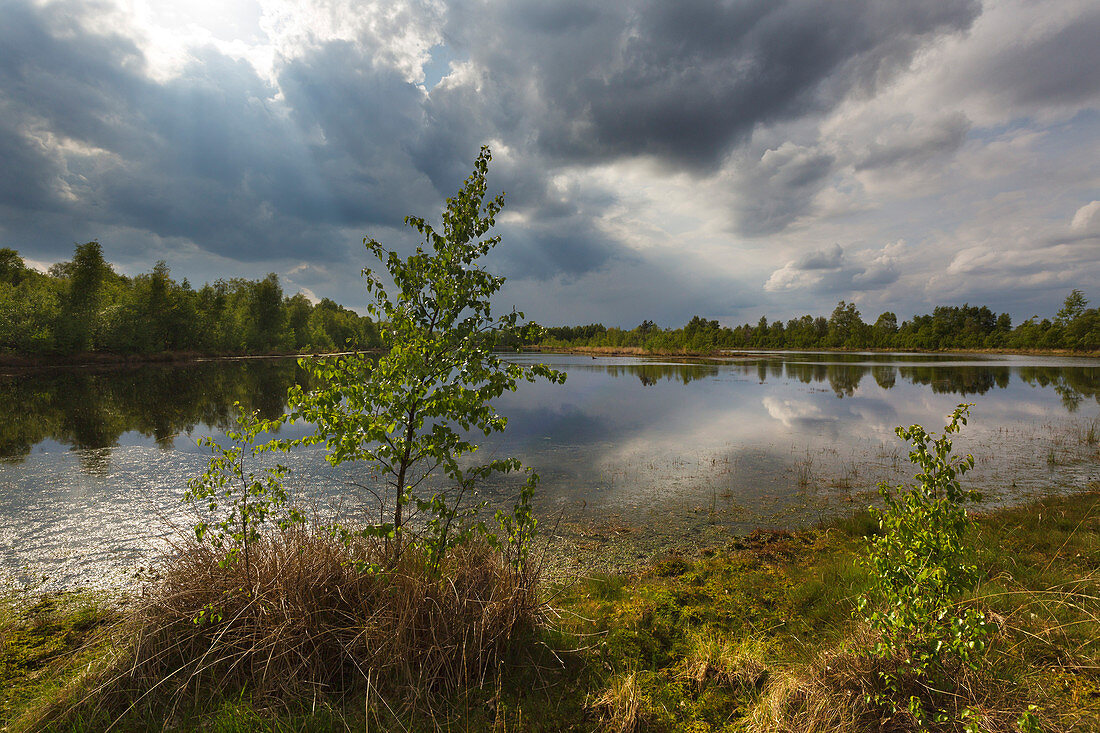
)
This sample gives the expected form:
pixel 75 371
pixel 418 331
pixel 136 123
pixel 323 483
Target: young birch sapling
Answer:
pixel 409 412
pixel 919 567
pixel 245 496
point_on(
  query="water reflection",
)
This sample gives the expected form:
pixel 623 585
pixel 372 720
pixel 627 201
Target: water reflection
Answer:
pixel 747 440
pixel 1075 386
pixel 768 431
pixel 650 373
pixel 93 408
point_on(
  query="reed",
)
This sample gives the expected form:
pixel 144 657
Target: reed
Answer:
pixel 311 620
pixel 304 623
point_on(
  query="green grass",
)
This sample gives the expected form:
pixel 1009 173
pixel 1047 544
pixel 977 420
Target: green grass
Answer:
pixel 46 642
pixel 708 642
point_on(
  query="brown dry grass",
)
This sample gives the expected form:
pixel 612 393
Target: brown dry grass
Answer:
pixel 312 621
pixel 830 694
pixel 620 705
pixel 724 661
pixel 307 624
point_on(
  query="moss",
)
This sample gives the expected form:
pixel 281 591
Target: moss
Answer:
pixel 709 640
pixel 44 642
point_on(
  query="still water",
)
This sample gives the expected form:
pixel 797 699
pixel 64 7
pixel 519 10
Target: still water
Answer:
pixel 93 462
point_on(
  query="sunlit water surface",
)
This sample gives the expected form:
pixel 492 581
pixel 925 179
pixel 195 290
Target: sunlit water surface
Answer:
pixel 93 463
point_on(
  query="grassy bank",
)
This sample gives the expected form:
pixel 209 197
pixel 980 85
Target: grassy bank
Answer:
pixel 753 634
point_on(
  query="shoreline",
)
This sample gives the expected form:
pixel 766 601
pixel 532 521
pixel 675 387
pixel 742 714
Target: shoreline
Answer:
pixel 640 351
pixel 676 628
pixel 10 363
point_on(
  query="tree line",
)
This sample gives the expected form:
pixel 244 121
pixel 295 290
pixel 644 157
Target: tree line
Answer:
pixel 83 305
pixel 1076 327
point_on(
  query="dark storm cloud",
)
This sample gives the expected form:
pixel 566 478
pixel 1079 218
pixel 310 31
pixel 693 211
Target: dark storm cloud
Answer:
pixel 686 81
pixel 590 82
pixel 569 250
pixel 52 71
pixel 368 119
pixel 339 142
pixel 26 175
pixel 208 156
pixel 211 157
pixel 1053 69
pixel 71 93
pixel 822 259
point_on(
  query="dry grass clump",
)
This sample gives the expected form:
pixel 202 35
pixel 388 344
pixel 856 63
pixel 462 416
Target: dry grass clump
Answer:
pixel 832 693
pixel 620 705
pixel 716 658
pixel 305 620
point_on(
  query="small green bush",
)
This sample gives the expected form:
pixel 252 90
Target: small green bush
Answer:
pixel 919 567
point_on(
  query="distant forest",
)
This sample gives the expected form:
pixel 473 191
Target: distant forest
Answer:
pixel 1075 327
pixel 84 306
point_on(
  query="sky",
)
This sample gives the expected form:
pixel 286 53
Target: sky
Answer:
pixel 660 159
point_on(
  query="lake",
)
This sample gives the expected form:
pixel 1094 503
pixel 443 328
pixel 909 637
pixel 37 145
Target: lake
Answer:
pixel 94 461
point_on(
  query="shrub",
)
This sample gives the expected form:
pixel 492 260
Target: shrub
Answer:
pixel 288 607
pixel 919 566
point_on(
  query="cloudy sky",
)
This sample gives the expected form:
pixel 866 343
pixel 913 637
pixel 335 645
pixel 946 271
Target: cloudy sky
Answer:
pixel 661 159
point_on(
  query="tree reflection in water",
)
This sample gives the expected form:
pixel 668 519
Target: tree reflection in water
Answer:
pixel 92 408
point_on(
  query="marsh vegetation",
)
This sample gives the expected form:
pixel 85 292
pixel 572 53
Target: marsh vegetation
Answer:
pixel 757 633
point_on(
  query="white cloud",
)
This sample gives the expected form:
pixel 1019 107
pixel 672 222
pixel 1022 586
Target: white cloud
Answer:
pixel 310 295
pixel 795 412
pixel 1087 219
pixel 399 33
pixel 833 271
